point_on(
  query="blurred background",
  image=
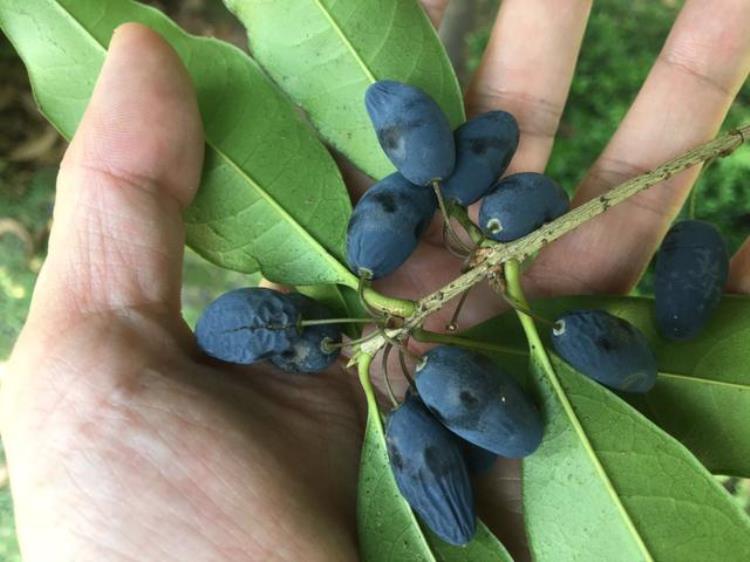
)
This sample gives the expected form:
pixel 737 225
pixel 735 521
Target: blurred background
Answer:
pixel 622 40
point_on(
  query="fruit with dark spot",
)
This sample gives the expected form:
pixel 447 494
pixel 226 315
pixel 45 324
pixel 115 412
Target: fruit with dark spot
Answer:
pixel 519 204
pixel 412 130
pixel 430 471
pixel 308 352
pixel 386 225
pixel 246 325
pixel 484 148
pixel 479 401
pixel 605 348
pixel 691 270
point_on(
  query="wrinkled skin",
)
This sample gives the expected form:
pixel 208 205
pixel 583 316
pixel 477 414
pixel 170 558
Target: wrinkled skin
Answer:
pixel 484 148
pixel 519 204
pixel 412 130
pixel 691 271
pixel 307 353
pixel 430 470
pixel 386 225
pixel 479 401
pixel 606 348
pixel 246 325
pixel 124 443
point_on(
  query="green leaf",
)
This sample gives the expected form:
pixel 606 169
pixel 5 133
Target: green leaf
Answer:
pixel 271 198
pixel 608 483
pixel 388 529
pixel 702 394
pixel 325 53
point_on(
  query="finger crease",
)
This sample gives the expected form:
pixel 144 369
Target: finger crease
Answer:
pixel 685 65
pixel 652 207
pixel 143 183
pixel 613 171
pixel 536 116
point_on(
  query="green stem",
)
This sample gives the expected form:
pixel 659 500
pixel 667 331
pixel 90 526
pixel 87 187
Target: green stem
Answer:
pixel 364 360
pixel 324 321
pixel 443 206
pixel 389 305
pixel 427 336
pixel 513 284
pixel 461 214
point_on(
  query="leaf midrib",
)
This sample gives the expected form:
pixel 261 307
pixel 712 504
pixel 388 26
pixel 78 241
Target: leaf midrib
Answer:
pixel 588 447
pixel 686 379
pixel 344 274
pixel 340 32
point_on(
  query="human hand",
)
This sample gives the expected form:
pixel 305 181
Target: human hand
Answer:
pixel 123 442
pixel 107 395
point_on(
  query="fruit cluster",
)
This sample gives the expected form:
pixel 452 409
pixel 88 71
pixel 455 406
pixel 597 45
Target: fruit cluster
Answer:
pixel 463 410
pixel 461 167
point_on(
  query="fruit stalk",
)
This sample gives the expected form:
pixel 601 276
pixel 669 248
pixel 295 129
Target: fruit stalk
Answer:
pixel 462 216
pixel 536 347
pixel 496 255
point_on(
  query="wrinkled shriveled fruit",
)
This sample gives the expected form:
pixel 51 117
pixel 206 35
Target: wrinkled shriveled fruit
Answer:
pixel 412 130
pixel 605 348
pixel 386 225
pixel 691 270
pixel 519 204
pixel 246 325
pixel 308 352
pixel 484 148
pixel 430 471
pixel 478 401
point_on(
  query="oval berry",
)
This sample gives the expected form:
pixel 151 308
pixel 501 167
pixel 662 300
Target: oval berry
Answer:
pixel 691 270
pixel 519 204
pixel 386 225
pixel 309 352
pixel 606 348
pixel 478 401
pixel 412 130
pixel 430 471
pixel 484 148
pixel 246 325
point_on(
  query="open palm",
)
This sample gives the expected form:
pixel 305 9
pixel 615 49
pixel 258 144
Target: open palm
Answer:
pixel 125 443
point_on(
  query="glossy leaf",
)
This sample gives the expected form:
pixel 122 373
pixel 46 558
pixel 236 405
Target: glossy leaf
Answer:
pixel 271 198
pixel 388 529
pixel 702 394
pixel 325 53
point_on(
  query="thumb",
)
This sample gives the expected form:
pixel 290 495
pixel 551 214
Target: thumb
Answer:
pixel 133 165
